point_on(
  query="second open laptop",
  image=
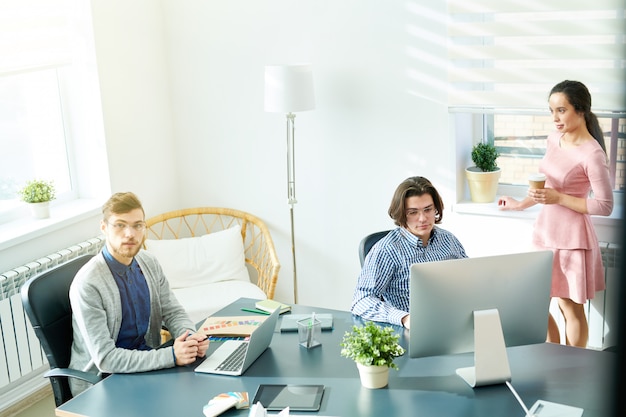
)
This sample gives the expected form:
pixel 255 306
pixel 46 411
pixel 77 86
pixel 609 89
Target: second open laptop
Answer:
pixel 235 356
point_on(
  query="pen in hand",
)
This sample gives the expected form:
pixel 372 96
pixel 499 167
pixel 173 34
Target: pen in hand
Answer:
pixel 190 333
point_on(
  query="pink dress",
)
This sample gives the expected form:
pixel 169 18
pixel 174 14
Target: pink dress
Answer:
pixel 577 272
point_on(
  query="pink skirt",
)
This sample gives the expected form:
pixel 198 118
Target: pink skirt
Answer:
pixel 577 274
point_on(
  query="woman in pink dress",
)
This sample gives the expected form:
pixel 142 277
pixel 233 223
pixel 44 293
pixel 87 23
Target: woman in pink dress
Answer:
pixel 577 186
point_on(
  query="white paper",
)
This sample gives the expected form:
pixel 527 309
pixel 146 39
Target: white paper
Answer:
pixel 284 412
pixel 548 409
pixel 257 410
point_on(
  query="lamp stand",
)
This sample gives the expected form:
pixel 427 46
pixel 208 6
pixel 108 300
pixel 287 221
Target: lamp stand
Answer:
pixel 291 193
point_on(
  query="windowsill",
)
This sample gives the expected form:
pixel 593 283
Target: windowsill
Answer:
pixel 491 209
pixel 61 216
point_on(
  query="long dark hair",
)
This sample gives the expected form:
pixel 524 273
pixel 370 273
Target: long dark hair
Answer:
pixel 579 97
pixel 413 186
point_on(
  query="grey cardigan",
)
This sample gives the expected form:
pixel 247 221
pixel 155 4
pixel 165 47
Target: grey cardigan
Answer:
pixel 97 318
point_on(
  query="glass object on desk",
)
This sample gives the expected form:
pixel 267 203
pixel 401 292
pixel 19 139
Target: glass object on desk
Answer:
pixel 309 331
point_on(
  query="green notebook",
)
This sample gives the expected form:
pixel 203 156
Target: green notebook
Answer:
pixel 271 305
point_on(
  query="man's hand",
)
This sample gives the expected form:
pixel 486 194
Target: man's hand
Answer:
pixel 406 321
pixel 189 346
pixel 203 343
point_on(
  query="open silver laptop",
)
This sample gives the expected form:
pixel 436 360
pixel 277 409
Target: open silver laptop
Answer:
pixel 235 356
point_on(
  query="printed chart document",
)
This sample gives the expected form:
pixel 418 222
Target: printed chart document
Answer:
pixel 226 401
pixel 231 325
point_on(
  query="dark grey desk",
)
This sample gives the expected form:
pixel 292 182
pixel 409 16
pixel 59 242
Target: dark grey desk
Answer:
pixel 422 387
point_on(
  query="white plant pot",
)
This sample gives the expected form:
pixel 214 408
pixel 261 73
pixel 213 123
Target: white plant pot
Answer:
pixel 40 210
pixel 483 186
pixel 373 376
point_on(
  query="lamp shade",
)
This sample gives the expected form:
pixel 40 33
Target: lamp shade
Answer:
pixel 289 88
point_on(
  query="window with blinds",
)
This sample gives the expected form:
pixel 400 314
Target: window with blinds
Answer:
pixel 505 56
pixel 34 34
pixel 509 53
pixel 48 92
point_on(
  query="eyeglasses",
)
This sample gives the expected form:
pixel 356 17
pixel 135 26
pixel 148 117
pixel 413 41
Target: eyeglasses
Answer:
pixel 120 227
pixel 428 212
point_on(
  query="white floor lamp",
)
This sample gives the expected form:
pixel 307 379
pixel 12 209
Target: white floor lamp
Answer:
pixel 288 89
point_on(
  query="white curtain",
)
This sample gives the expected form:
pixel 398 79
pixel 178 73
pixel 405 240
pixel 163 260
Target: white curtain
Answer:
pixel 510 53
pixel 34 34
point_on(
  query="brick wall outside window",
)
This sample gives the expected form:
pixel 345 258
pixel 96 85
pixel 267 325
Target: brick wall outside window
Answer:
pixel 521 140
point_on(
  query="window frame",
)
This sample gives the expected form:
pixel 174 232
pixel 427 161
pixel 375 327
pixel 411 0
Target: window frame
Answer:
pixel 464 120
pixel 83 125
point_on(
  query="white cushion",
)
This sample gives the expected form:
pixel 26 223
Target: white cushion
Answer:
pixel 193 261
pixel 202 301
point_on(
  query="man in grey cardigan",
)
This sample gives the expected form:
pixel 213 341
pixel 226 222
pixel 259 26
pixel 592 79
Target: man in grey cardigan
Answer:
pixel 121 298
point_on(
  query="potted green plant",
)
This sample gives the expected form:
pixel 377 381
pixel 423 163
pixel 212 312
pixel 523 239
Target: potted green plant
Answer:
pixel 484 176
pixel 374 349
pixel 38 194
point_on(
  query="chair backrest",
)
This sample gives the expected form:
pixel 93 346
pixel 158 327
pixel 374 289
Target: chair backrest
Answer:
pixel 260 254
pixel 45 298
pixel 368 241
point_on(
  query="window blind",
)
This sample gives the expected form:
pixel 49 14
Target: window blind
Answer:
pixel 34 34
pixel 510 53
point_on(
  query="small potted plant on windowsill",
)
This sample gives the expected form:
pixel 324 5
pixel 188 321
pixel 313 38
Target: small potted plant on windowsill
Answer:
pixel 374 349
pixel 38 194
pixel 484 176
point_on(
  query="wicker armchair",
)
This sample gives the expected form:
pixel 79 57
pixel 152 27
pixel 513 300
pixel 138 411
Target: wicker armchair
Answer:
pixel 260 254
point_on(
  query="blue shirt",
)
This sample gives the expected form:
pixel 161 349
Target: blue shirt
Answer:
pixel 382 291
pixel 135 298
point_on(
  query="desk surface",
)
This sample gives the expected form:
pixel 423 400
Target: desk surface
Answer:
pixel 426 386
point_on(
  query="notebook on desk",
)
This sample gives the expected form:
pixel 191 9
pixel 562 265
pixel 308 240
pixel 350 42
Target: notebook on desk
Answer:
pixel 233 357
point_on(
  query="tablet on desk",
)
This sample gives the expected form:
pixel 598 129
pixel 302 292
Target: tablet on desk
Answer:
pixel 296 397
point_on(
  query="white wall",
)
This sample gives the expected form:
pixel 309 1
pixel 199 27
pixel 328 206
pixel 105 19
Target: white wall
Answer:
pixel 141 143
pixel 182 88
pixel 137 110
pixel 182 91
pixel 369 131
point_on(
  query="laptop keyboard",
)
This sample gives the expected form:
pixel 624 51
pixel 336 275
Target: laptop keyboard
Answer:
pixel 234 361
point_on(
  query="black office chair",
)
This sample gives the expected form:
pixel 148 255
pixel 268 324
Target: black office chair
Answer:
pixel 45 298
pixel 368 241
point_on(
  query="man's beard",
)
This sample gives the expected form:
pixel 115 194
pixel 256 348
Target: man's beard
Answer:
pixel 126 252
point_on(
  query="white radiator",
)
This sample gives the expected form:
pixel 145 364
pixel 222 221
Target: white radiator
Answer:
pixel 602 311
pixel 21 359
